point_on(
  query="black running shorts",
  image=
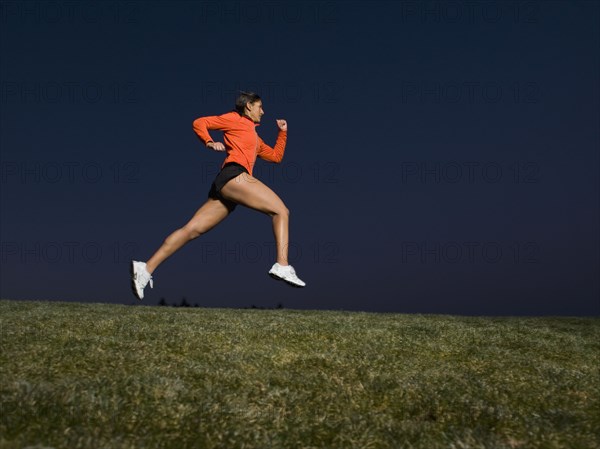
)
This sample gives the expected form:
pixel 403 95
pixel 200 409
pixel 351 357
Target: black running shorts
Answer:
pixel 227 173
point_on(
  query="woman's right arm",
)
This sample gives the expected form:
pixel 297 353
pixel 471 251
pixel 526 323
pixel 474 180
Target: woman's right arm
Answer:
pixel 203 124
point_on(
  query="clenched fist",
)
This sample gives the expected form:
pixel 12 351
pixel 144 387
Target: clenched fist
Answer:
pixel 282 124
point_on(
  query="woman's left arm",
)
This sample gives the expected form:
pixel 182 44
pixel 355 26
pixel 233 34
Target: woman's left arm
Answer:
pixel 274 154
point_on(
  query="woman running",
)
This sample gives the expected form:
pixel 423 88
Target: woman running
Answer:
pixel 232 186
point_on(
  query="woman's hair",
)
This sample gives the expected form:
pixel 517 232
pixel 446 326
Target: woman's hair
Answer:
pixel 243 99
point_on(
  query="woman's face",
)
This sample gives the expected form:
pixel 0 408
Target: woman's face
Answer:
pixel 255 111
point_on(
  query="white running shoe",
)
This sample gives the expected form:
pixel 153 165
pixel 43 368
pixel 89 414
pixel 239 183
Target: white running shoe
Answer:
pixel 139 278
pixel 286 273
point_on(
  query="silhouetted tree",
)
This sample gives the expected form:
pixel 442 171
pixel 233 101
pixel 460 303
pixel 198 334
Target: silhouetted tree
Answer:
pixel 162 302
pixel 253 306
pixel 184 302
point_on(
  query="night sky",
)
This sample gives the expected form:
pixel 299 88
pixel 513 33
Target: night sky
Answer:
pixel 442 157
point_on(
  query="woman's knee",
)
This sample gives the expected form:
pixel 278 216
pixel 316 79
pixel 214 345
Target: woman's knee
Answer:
pixel 281 211
pixel 193 231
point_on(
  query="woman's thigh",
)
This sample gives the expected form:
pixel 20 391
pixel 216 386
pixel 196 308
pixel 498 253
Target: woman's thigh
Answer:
pixel 208 216
pixel 250 192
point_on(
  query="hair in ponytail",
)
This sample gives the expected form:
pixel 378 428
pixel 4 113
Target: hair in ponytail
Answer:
pixel 243 99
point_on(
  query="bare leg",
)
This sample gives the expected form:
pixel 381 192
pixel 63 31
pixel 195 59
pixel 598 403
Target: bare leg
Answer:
pixel 250 192
pixel 208 216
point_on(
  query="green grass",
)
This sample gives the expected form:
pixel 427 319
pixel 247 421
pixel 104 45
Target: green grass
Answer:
pixel 111 376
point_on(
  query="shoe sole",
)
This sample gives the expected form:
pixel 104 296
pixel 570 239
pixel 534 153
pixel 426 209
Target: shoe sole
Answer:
pixel 133 289
pixel 274 276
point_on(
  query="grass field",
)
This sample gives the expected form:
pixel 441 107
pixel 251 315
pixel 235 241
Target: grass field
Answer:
pixel 111 376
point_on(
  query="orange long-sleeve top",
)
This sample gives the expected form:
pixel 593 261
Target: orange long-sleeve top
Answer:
pixel 242 143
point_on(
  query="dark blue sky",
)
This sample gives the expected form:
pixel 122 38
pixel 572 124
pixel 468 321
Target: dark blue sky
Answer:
pixel 442 157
